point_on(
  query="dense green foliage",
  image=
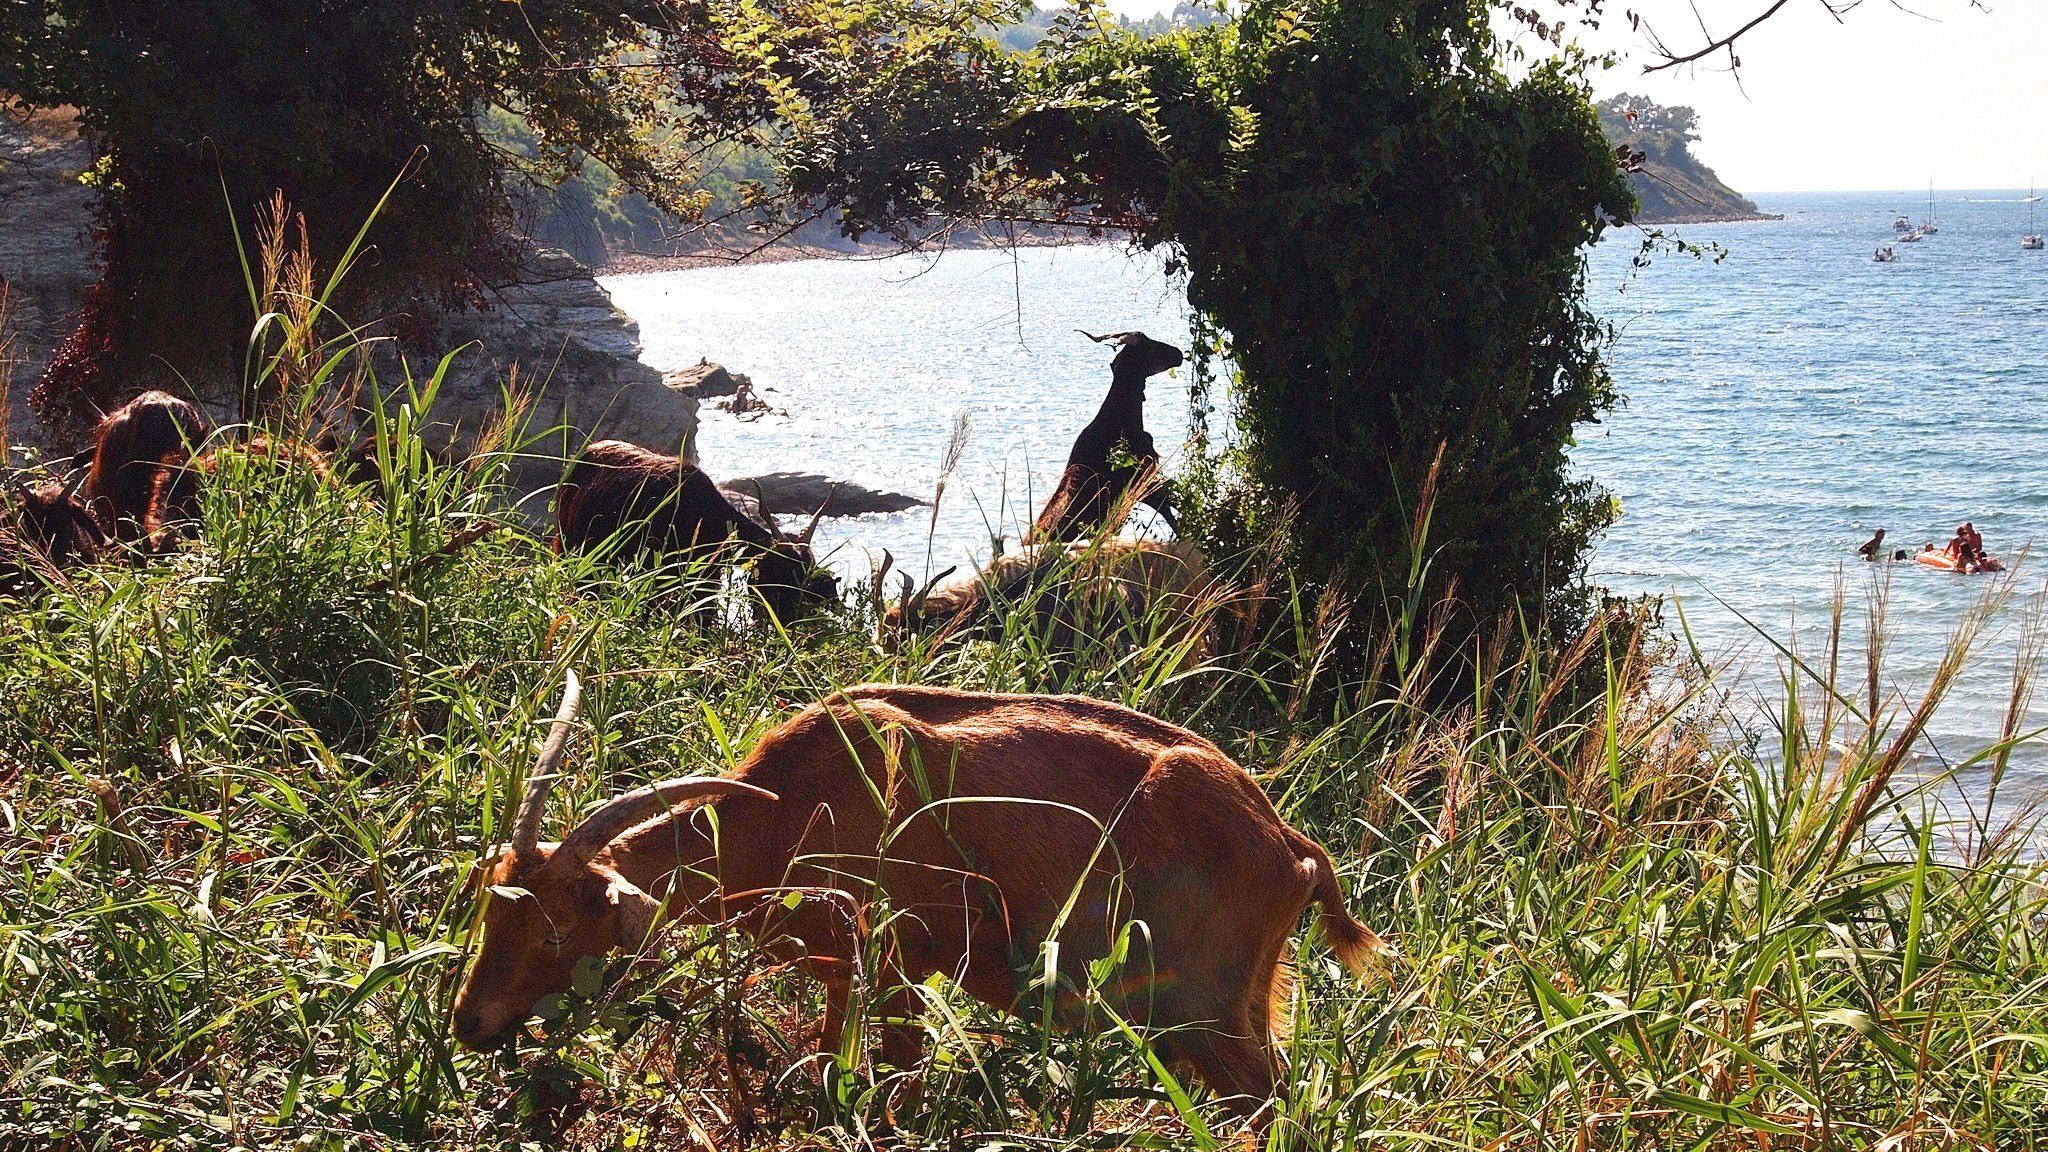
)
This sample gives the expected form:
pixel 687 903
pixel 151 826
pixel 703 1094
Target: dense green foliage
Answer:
pixel 212 105
pixel 593 215
pixel 244 792
pixel 1390 231
pixel 1670 183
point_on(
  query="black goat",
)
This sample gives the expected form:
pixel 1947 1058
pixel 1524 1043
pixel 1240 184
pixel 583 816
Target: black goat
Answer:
pixel 1114 453
pixel 45 530
pixel 648 505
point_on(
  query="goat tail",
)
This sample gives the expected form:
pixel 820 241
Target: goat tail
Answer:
pixel 1357 947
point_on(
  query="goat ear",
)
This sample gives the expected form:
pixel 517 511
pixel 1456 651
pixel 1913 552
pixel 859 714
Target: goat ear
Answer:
pixel 637 911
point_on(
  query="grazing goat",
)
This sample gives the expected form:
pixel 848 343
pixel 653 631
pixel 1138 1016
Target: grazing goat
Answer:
pixel 1076 592
pixel 134 448
pixel 47 529
pixel 173 510
pixel 1114 453
pixel 984 825
pixel 651 504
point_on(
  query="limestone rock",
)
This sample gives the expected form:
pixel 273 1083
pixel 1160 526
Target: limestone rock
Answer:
pixel 803 493
pixel 705 379
pixel 577 358
pixel 46 257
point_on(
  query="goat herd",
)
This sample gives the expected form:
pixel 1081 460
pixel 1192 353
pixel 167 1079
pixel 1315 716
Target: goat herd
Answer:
pixel 1015 840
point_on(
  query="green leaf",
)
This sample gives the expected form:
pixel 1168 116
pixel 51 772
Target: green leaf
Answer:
pixel 587 978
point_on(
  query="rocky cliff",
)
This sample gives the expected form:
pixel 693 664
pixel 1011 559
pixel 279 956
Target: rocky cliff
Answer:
pixel 45 246
pixel 1671 186
pixel 577 355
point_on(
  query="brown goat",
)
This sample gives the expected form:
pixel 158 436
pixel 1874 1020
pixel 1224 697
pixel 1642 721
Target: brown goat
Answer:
pixel 649 504
pixel 46 529
pixel 173 511
pixel 133 449
pixel 1078 591
pixel 1114 453
pixel 987 825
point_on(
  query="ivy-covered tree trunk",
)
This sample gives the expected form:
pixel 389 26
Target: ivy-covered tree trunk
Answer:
pixel 1392 237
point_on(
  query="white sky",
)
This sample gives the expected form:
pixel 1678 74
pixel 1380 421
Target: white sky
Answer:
pixel 1883 100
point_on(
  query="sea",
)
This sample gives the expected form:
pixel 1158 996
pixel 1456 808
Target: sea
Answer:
pixel 1786 395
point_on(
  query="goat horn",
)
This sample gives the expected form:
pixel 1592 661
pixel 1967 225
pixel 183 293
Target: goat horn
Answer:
pixel 526 828
pixel 926 591
pixel 804 537
pixel 641 804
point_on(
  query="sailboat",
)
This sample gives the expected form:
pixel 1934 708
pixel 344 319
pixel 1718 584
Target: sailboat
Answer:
pixel 2031 242
pixel 1927 226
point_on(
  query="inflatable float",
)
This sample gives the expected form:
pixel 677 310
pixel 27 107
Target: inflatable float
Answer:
pixel 1939 559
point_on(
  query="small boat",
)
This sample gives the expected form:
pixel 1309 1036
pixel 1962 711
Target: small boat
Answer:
pixel 2031 242
pixel 1909 237
pixel 1940 560
pixel 1886 254
pixel 1927 227
pixel 1900 223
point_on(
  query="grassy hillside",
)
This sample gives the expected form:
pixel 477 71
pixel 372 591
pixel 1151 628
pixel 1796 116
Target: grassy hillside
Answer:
pixel 1672 185
pixel 243 794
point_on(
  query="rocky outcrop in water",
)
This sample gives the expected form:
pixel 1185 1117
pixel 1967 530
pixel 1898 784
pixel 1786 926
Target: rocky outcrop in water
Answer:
pixel 704 380
pixel 802 493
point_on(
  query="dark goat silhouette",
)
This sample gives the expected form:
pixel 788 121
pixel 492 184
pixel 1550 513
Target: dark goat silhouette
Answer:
pixel 134 448
pixel 655 504
pixel 46 529
pixel 1114 453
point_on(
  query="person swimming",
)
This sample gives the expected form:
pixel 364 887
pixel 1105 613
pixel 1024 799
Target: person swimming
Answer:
pixel 1873 547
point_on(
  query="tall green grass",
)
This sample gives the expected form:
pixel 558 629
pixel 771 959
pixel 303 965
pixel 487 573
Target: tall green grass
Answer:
pixel 243 793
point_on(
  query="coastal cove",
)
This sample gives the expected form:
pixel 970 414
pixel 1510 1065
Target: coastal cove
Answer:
pixel 1782 402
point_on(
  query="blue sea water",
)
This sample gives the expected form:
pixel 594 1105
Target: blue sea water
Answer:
pixel 1783 400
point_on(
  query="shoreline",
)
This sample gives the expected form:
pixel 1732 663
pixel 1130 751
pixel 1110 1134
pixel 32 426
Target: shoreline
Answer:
pixel 645 263
pixel 1712 218
pixel 648 263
